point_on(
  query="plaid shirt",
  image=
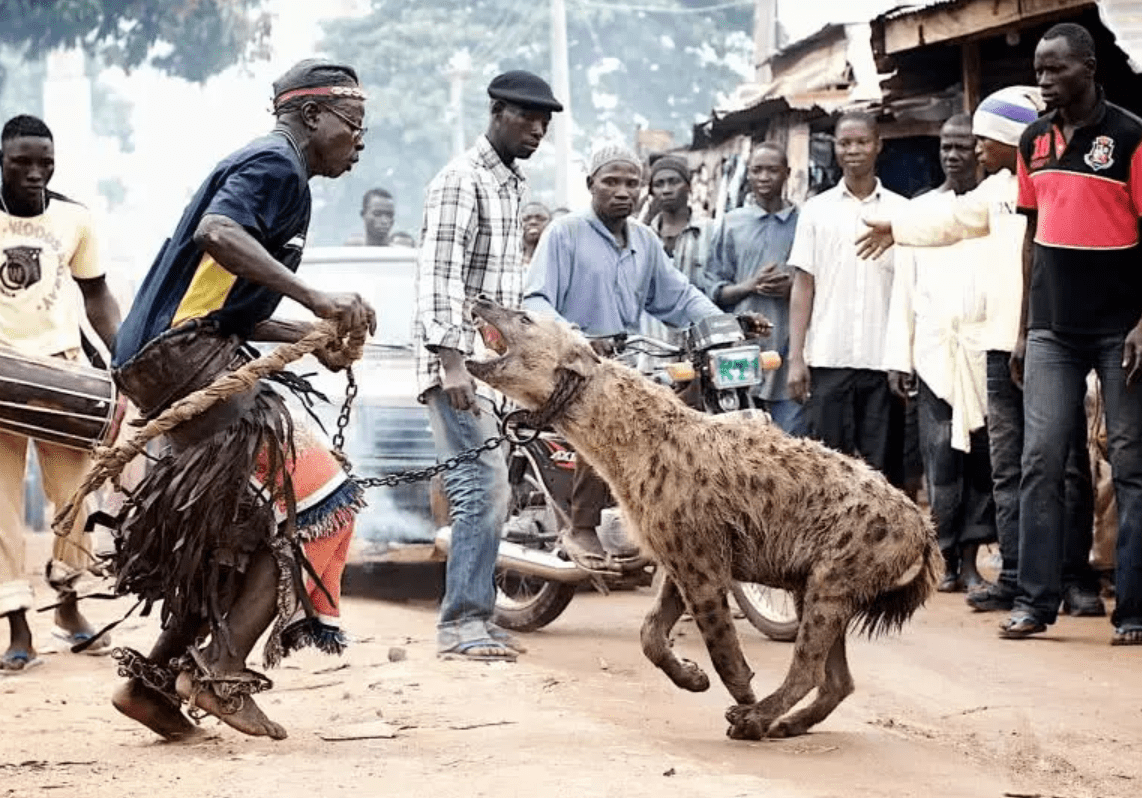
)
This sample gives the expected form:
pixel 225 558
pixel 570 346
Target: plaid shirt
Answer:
pixel 470 244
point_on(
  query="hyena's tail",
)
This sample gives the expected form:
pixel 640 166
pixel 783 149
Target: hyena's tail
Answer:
pixel 888 611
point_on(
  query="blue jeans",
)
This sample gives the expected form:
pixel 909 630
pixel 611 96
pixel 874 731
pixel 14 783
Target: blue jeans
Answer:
pixel 788 415
pixel 1005 430
pixel 478 501
pixel 1054 385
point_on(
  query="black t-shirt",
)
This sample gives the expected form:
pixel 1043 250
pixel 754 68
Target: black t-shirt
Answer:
pixel 1087 274
pixel 264 188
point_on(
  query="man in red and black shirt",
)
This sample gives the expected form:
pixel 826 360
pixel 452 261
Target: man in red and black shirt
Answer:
pixel 1080 183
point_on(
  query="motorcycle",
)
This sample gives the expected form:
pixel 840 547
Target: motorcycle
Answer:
pixel 712 371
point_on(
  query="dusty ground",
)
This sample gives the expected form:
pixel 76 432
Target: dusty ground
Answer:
pixel 946 709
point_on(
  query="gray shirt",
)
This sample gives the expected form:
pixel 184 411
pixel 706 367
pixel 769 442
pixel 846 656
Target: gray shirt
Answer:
pixel 580 272
pixel 746 240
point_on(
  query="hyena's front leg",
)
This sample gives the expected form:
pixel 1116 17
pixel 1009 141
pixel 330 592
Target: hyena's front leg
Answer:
pixel 711 611
pixel 656 639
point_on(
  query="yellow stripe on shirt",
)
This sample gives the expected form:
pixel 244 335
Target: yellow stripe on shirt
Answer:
pixel 208 290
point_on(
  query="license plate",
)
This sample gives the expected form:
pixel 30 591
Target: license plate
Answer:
pixel 739 367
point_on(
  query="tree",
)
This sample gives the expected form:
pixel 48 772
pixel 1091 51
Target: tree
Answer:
pixel 630 68
pixel 198 37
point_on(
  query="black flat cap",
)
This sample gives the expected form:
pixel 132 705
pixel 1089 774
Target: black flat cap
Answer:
pixel 524 89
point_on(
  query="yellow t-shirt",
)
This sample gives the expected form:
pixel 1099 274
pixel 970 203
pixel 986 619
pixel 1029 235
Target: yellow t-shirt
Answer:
pixel 40 303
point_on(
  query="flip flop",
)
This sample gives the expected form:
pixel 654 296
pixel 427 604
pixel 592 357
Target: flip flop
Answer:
pixel 15 662
pixel 461 651
pixel 586 559
pixel 1127 634
pixel 507 639
pixel 99 648
pixel 1020 626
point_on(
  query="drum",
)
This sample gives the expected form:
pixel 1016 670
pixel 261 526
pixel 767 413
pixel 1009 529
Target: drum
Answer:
pixel 58 401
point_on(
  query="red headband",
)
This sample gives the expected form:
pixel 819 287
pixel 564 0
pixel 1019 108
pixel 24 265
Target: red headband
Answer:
pixel 321 91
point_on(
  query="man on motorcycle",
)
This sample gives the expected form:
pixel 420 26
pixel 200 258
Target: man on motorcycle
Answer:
pixel 601 270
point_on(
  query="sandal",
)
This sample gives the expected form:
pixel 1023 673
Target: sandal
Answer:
pixel 468 648
pixel 1127 634
pixel 99 648
pixel 586 559
pixel 506 638
pixel 18 661
pixel 1021 625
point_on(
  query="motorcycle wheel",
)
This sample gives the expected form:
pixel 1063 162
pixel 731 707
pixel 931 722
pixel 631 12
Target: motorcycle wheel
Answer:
pixel 771 611
pixel 526 603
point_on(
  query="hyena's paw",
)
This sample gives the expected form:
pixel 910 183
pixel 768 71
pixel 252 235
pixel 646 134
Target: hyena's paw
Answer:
pixel 689 676
pixel 785 727
pixel 745 724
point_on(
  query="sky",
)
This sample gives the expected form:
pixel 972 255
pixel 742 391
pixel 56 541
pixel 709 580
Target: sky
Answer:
pixel 182 129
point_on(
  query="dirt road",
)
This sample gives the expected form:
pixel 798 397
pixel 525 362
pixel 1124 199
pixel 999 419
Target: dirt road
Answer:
pixel 946 709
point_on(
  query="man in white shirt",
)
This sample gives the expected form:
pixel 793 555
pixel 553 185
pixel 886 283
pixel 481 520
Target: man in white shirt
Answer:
pixel 989 211
pixel 839 303
pixel 935 322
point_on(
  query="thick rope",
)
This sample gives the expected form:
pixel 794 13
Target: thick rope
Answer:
pixel 109 461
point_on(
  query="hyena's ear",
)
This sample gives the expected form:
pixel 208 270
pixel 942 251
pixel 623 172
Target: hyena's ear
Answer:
pixel 582 360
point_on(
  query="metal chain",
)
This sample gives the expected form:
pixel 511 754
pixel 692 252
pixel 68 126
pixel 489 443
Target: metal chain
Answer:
pixel 133 665
pixel 343 416
pixel 416 475
pixel 402 477
pixel 566 388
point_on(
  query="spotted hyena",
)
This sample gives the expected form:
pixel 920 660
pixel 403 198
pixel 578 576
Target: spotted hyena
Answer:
pixel 715 499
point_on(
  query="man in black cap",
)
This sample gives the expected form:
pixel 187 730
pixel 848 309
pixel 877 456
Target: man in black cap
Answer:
pixel 471 245
pixel 246 500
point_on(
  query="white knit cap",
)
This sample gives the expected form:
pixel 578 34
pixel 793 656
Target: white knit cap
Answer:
pixel 1003 115
pixel 612 152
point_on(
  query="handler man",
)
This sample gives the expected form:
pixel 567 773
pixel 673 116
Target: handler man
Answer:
pixel 47 247
pixel 471 245
pixel 222 555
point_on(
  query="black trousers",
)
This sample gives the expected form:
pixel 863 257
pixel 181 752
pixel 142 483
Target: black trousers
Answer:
pixel 589 496
pixel 849 410
pixel 959 483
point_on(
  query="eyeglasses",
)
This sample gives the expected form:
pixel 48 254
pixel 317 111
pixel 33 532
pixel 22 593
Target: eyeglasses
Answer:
pixel 358 129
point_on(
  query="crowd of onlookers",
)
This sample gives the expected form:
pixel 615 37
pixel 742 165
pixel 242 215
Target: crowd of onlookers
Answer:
pixel 908 326
pixel 976 342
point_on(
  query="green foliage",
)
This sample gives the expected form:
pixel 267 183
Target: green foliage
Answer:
pixel 628 69
pixel 200 37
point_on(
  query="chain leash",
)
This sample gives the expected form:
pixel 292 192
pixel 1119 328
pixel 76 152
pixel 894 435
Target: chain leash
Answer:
pixel 567 387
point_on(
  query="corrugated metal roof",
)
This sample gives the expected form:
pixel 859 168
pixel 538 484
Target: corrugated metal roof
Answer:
pixel 1124 19
pixel 906 11
pixel 832 68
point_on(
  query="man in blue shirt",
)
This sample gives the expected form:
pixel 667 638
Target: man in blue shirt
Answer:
pixel 748 270
pixel 600 269
pixel 245 520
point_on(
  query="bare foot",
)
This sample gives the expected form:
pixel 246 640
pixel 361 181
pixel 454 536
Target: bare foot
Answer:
pixel 248 718
pixel 154 710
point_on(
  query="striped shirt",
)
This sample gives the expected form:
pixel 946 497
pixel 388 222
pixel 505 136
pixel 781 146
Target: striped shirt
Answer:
pixel 470 244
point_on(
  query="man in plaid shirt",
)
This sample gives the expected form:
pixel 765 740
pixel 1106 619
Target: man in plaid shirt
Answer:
pixel 471 244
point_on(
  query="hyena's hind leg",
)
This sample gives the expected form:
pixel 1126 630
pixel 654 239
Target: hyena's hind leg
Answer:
pixel 837 687
pixel 823 621
pixel 656 645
